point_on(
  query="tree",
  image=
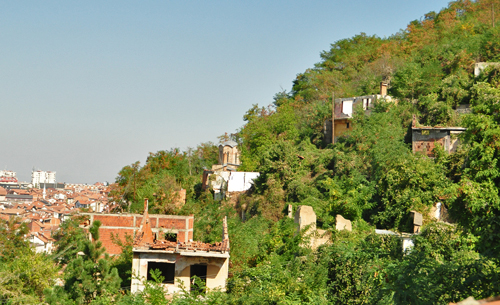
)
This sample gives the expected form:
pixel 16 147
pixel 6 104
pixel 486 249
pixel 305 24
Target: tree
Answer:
pixel 68 240
pixel 24 274
pixel 477 207
pixel 89 276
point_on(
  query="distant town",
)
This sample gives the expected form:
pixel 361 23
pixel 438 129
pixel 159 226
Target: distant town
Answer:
pixel 44 203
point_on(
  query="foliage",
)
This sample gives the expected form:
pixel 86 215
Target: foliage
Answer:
pixel 477 207
pixel 89 277
pixel 164 173
pixel 24 274
pixel 370 176
pixel 442 268
pixel 68 240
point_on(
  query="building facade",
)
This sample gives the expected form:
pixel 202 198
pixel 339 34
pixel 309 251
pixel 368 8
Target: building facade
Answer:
pixel 39 177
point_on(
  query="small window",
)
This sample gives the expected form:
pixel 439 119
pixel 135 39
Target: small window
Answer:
pixel 170 236
pixel 347 124
pixel 167 270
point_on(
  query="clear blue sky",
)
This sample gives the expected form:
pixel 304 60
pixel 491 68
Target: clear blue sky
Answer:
pixel 87 87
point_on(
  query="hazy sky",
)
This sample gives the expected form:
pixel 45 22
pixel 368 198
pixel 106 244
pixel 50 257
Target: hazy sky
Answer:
pixel 87 87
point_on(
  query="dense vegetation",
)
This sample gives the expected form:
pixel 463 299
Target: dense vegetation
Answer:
pixel 370 176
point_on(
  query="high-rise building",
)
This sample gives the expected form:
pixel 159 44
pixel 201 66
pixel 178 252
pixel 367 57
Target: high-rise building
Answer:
pixel 39 177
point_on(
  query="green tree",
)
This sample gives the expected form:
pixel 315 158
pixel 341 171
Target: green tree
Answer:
pixel 88 277
pixel 24 274
pixel 68 240
pixel 478 204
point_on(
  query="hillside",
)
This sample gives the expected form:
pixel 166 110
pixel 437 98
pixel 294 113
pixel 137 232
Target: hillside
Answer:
pixel 371 176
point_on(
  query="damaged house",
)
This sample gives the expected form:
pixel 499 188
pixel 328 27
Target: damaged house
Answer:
pixel 343 110
pixel 425 138
pixel 179 261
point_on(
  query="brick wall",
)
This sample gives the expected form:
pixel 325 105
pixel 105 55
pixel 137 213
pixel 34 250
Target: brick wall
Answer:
pixel 121 225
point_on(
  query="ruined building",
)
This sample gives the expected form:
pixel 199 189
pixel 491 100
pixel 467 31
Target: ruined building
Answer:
pixel 178 261
pixel 343 110
pixel 425 138
pixel 178 228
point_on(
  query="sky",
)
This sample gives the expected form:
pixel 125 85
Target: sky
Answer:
pixel 88 87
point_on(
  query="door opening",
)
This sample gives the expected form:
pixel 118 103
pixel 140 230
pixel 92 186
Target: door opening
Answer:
pixel 198 278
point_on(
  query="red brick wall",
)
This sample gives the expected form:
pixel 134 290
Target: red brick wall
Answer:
pixel 115 221
pixel 172 223
pixel 107 242
pixel 181 236
pixel 127 224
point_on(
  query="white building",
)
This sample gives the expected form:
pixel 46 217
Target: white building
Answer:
pixel 9 174
pixel 38 177
pixel 8 177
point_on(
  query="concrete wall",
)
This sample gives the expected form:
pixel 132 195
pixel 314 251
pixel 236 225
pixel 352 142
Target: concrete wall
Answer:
pixel 341 127
pixel 480 66
pixel 217 269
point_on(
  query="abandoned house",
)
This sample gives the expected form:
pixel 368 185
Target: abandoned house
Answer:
pixel 424 138
pixel 178 261
pixel 119 226
pixel 343 110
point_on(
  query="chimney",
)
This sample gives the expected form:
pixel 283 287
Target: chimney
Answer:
pixel 383 88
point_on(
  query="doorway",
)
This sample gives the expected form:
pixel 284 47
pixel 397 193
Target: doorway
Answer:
pixel 198 278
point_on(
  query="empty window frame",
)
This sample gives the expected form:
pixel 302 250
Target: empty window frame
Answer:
pixel 198 278
pixel 167 270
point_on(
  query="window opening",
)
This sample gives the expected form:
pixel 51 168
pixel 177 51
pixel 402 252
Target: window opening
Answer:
pixel 169 236
pixel 347 124
pixel 167 270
